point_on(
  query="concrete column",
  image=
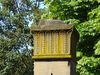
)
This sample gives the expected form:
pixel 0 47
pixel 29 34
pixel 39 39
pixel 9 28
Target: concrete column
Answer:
pixel 51 68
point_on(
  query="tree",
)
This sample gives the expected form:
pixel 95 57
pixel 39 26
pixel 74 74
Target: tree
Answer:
pixel 15 37
pixel 84 14
pixel 89 44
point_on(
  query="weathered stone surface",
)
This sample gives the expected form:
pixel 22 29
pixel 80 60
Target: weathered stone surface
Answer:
pixel 51 68
pixel 45 25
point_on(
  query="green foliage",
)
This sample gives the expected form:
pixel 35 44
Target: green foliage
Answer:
pixel 84 14
pixel 70 9
pixel 97 51
pixel 15 64
pixel 89 33
pixel 79 54
pixel 89 66
pixel 15 37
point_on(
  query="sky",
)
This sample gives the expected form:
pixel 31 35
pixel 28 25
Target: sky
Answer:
pixel 41 7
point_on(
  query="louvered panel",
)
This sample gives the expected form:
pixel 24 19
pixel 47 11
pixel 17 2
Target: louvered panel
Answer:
pixel 47 43
pixel 52 43
pixel 39 43
pixel 42 43
pixel 56 43
pixel 65 44
pixel 68 42
pixel 60 43
pixel 35 43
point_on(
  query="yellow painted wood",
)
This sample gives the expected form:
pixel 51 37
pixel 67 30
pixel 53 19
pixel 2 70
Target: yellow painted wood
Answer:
pixel 49 56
